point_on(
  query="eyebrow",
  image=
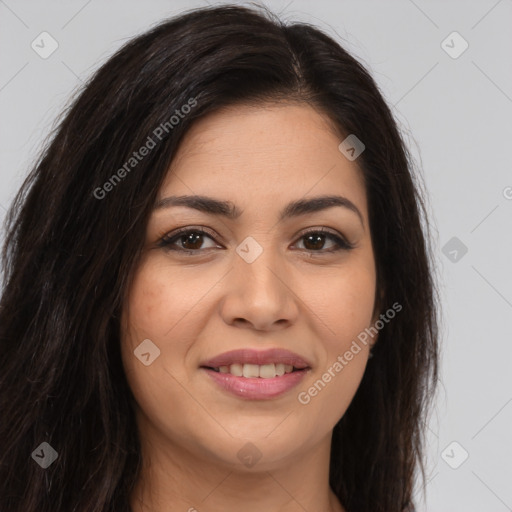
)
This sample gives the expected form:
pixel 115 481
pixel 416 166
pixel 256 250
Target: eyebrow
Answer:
pixel 230 211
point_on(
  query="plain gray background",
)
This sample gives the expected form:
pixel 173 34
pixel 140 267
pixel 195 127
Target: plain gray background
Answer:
pixel 455 113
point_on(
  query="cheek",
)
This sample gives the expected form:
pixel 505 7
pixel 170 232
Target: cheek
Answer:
pixel 159 308
pixel 345 301
pixel 162 300
pixel 165 305
pixel 152 305
pixel 345 306
pixel 153 310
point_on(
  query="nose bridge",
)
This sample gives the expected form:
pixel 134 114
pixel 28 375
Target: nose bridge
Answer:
pixel 259 294
pixel 257 265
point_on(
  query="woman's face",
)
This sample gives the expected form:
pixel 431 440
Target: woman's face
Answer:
pixel 253 282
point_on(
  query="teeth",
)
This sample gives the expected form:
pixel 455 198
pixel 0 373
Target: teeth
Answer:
pixel 251 370
pixel 265 371
pixel 236 369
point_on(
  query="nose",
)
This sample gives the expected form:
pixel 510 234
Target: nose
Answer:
pixel 260 295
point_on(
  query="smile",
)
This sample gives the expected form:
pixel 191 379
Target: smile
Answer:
pixel 265 371
pixel 256 374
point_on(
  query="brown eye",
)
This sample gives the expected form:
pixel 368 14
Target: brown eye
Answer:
pixel 194 239
pixel 315 241
pixel 191 241
pixel 186 240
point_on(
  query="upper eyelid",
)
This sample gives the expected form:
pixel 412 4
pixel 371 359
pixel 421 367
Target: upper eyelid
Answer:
pixel 185 229
pixel 206 231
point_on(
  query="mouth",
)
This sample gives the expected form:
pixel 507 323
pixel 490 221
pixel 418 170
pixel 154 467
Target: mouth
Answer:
pixel 276 359
pixel 256 375
pixel 255 371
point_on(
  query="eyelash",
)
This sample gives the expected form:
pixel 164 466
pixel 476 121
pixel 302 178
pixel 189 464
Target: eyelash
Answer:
pixel 167 241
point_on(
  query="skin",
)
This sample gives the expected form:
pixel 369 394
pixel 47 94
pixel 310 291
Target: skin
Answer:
pixel 295 295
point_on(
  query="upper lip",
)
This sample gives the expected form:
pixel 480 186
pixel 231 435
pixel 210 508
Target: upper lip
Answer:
pixel 259 357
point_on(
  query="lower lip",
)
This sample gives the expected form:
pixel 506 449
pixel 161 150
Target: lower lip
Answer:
pixel 256 388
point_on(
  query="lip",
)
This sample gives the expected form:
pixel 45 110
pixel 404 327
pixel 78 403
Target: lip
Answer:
pixel 259 357
pixel 256 388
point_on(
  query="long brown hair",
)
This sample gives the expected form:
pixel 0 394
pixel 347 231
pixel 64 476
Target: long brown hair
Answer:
pixel 70 252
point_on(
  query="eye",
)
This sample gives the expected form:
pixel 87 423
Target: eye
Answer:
pixel 316 237
pixel 190 240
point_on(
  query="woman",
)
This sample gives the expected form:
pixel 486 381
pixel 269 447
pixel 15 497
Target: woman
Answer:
pixel 218 288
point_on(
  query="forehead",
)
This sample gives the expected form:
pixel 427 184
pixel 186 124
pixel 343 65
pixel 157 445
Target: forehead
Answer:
pixel 278 151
